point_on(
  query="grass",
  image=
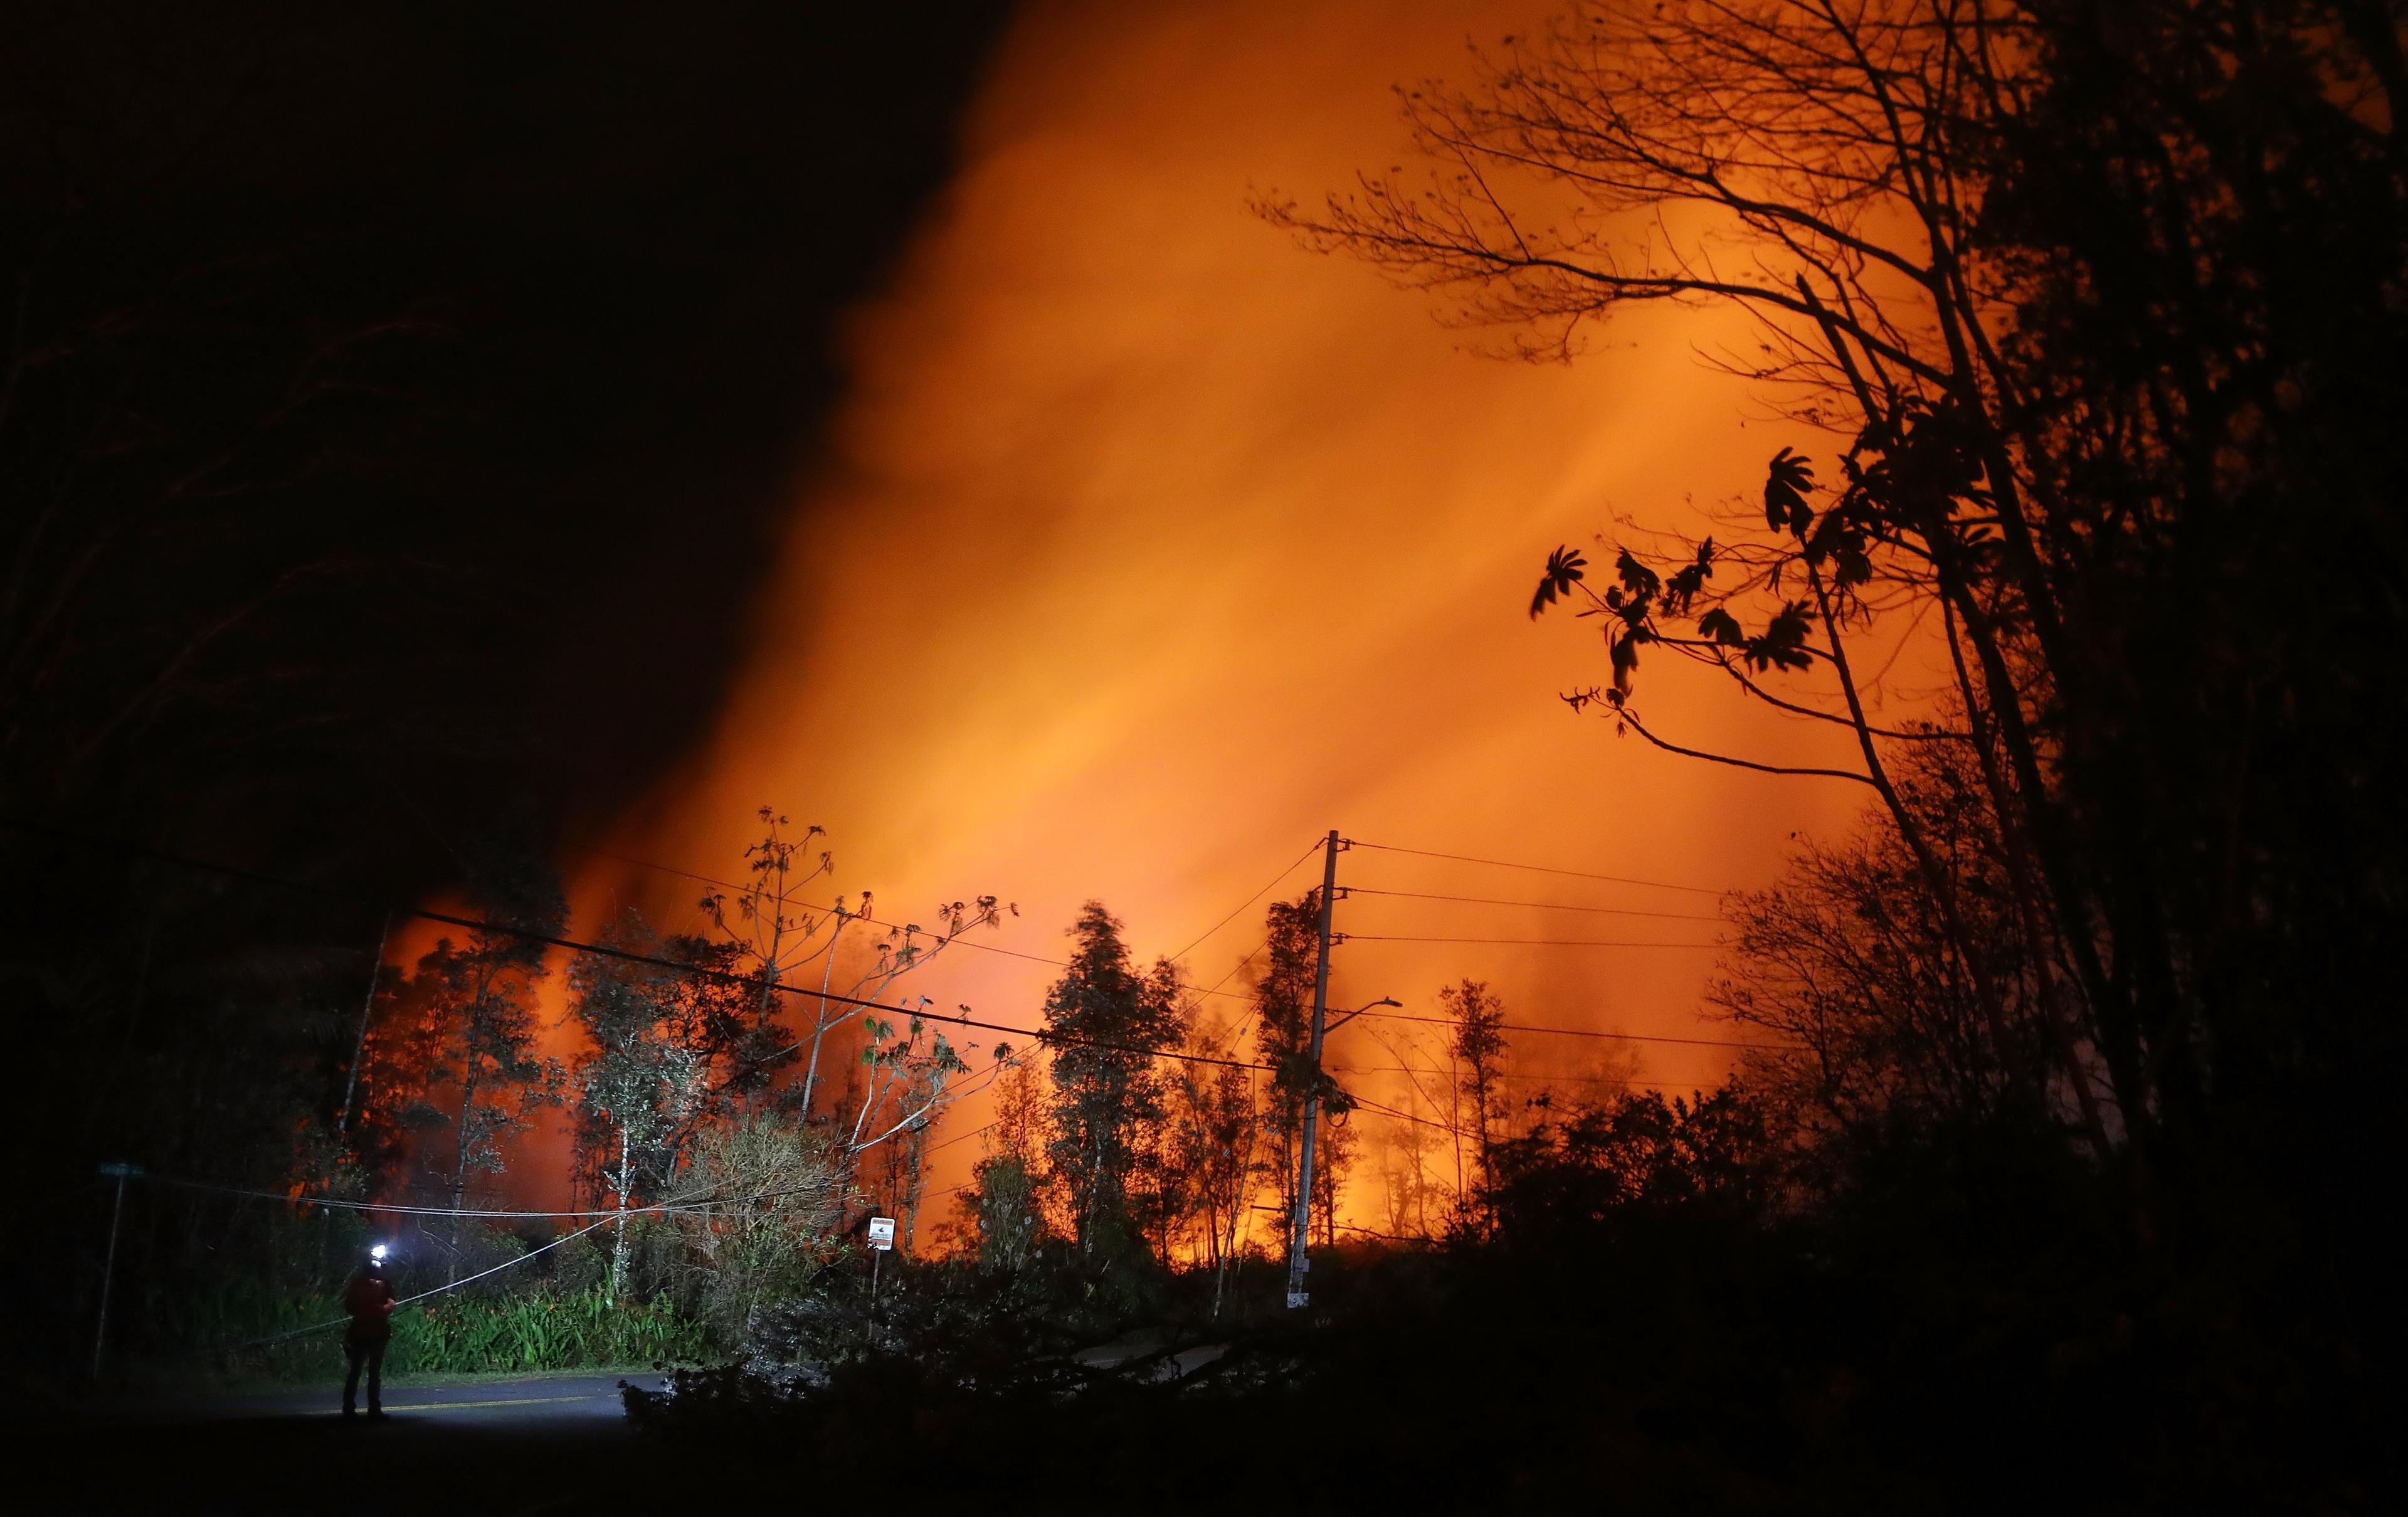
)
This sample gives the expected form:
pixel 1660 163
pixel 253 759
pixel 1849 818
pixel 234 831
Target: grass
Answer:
pixel 543 1329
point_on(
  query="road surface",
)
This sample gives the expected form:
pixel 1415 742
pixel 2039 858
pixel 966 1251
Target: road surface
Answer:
pixel 560 1402
pixel 548 1443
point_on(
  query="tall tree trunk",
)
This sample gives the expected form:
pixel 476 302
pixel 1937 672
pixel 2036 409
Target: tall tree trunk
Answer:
pixel 2052 849
pixel 462 1139
pixel 1943 890
pixel 919 1181
pixel 820 1018
pixel 2038 947
pixel 619 1241
pixel 360 1043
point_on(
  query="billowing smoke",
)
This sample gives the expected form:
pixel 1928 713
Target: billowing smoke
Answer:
pixel 1149 547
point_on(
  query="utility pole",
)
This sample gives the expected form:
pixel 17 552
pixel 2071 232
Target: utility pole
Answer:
pixel 360 1044
pixel 119 1172
pixel 1300 1229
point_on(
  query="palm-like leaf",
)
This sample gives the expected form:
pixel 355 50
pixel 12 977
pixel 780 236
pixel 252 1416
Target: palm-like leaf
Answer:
pixel 1564 567
pixel 1786 479
pixel 1782 643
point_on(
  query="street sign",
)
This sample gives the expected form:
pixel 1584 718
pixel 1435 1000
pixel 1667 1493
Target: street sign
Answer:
pixel 881 1232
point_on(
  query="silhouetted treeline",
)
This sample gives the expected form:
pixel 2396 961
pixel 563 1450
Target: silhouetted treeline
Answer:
pixel 2056 1182
pixel 2098 309
pixel 2052 1183
pixel 383 463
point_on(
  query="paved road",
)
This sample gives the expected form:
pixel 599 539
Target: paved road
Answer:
pixel 504 1447
pixel 570 1402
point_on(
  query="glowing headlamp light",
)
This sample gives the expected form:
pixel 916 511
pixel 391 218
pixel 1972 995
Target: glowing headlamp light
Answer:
pixel 376 1252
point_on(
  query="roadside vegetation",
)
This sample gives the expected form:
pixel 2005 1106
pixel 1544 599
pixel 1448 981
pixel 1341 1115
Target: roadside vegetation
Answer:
pixel 2042 1180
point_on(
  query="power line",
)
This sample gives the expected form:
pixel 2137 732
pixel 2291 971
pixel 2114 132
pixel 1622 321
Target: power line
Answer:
pixel 919 1013
pixel 815 905
pixel 957 941
pixel 575 945
pixel 1537 1079
pixel 663 868
pixel 410 1301
pixel 345 1204
pixel 1247 901
pixel 1576 1032
pixel 1040 1035
pixel 959 1137
pixel 1541 905
pixel 1537 869
pixel 691 1203
pixel 1359 890
pixel 1369 1105
pixel 1520 942
pixel 1235 996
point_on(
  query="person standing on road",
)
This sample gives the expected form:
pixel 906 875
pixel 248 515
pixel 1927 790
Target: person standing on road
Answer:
pixel 369 1300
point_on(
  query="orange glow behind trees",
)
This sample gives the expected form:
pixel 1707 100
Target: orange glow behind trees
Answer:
pixel 1148 546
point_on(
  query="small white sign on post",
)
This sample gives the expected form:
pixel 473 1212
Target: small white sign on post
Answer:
pixel 881 1232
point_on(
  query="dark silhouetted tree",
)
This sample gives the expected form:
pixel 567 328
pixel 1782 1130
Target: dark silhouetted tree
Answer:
pixel 1010 1203
pixel 2099 312
pixel 1478 1046
pixel 469 1013
pixel 1603 1160
pixel 1105 1024
pixel 1211 1131
pixel 1283 1032
pixel 660 1040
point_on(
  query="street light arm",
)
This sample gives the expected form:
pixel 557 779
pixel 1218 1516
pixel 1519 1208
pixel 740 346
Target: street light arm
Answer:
pixel 1384 1000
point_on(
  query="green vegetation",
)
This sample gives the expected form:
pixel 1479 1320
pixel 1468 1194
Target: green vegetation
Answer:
pixel 2041 1182
pixel 544 1328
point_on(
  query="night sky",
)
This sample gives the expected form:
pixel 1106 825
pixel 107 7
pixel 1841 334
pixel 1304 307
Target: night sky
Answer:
pixel 578 265
pixel 601 602
pixel 902 423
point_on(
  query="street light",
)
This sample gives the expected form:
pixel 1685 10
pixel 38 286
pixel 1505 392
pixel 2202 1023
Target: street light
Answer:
pixel 1344 1020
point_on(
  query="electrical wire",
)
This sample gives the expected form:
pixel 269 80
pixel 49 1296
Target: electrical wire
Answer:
pixel 529 935
pixel 1517 942
pixel 688 1206
pixel 410 1301
pixel 663 868
pixel 629 955
pixel 1535 868
pixel 726 976
pixel 680 1208
pixel 1538 906
pixel 957 941
pixel 1247 901
pixel 1233 970
pixel 1633 1081
pixel 1368 1105
pixel 1577 1031
pixel 345 1204
pixel 976 946
pixel 959 1137
pixel 1045 1037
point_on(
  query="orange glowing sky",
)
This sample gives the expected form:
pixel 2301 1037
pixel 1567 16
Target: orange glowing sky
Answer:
pixel 1148 547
